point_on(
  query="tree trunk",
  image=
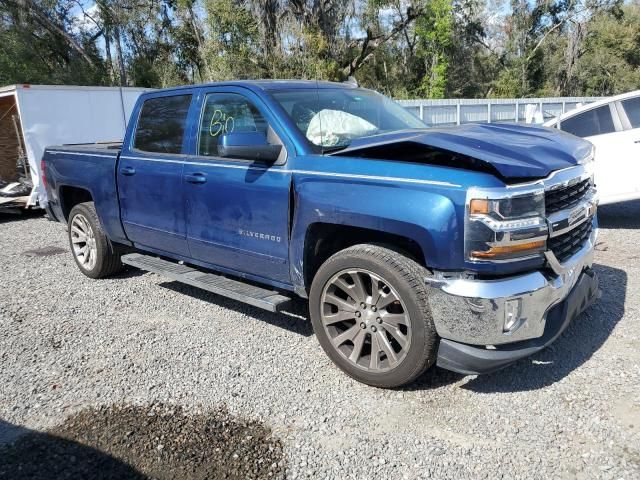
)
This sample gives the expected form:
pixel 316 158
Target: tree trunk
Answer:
pixel 107 51
pixel 118 41
pixel 201 53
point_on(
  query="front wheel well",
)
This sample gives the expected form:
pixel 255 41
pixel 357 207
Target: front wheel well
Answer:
pixel 324 239
pixel 72 196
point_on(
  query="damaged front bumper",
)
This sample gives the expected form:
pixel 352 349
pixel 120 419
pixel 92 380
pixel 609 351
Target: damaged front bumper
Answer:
pixel 485 325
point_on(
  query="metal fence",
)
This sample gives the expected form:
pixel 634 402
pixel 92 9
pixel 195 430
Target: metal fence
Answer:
pixel 460 111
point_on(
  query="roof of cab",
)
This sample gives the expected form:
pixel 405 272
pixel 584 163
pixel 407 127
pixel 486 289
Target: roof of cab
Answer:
pixel 267 85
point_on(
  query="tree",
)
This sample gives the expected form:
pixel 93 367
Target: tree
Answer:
pixel 405 48
pixel 434 29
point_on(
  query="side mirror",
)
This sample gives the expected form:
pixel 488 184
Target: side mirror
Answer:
pixel 248 146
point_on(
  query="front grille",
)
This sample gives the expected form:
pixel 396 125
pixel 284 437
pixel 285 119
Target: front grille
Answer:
pixel 567 244
pixel 567 197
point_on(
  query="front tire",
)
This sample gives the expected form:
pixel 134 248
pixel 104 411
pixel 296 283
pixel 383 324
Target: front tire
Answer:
pixel 370 313
pixel 94 254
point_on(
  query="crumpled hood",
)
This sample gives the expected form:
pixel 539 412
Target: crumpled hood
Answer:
pixel 513 151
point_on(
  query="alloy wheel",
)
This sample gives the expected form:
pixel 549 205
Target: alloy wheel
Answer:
pixel 366 320
pixel 83 242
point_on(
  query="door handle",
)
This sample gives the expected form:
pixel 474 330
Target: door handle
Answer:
pixel 196 178
pixel 128 171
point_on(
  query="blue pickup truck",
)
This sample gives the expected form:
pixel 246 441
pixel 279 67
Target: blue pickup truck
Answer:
pixel 467 247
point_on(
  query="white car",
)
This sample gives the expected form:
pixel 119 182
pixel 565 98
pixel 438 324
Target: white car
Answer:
pixel 613 126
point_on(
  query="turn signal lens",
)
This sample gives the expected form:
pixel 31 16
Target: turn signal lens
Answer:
pixel 494 252
pixel 479 207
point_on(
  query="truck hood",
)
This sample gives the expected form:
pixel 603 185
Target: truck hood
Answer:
pixel 512 152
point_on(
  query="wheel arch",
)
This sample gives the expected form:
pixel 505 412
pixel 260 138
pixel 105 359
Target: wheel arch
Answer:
pixel 71 196
pixel 322 240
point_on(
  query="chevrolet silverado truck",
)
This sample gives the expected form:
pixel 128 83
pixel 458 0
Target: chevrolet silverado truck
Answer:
pixel 468 247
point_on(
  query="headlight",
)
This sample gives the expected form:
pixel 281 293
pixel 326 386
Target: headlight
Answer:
pixel 505 228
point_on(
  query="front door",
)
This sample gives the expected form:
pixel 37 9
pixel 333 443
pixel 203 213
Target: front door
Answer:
pixel 237 210
pixel 150 176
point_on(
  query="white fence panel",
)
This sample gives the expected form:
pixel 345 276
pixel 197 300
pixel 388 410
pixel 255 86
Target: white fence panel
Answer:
pixel 495 110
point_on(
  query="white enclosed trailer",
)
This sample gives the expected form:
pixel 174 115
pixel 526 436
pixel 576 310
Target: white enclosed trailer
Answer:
pixel 33 117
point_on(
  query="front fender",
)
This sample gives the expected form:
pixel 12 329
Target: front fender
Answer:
pixel 425 215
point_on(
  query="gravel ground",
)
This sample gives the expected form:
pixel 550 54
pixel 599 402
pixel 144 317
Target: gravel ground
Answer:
pixel 72 347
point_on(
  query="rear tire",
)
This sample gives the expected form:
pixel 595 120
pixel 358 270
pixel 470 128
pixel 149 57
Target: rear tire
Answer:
pixel 93 252
pixel 370 312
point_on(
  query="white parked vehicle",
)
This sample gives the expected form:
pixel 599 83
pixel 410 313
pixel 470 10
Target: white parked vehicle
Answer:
pixel 613 126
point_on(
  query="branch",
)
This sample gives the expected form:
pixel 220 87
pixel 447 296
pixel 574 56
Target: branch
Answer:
pixel 42 18
pixel 544 37
pixel 371 42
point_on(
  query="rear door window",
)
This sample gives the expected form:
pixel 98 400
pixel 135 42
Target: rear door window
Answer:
pixel 632 108
pixel 162 124
pixel 596 121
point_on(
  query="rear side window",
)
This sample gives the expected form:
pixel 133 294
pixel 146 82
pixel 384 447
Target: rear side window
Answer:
pixel 162 123
pixel 632 107
pixel 597 121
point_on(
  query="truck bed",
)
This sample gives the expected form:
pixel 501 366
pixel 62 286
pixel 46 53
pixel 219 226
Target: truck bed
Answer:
pixel 86 170
pixel 102 148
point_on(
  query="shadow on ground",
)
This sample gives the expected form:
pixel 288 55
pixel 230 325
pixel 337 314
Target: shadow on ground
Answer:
pixel 620 215
pixel 577 344
pixel 28 454
pixel 295 318
pixel 6 217
pixel 135 442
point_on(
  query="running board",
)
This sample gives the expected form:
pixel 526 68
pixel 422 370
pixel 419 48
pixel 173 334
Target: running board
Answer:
pixel 218 284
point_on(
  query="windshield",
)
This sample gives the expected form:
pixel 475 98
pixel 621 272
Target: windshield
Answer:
pixel 334 117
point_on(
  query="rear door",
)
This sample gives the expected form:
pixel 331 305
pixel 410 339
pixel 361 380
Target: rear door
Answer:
pixel 237 210
pixel 150 174
pixel 602 127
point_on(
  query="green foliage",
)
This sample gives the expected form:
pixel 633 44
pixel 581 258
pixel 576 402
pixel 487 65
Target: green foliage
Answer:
pixel 434 30
pixel 232 44
pixel 31 53
pixel 611 60
pixel 405 48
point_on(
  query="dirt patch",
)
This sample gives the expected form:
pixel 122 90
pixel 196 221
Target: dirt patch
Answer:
pixel 158 441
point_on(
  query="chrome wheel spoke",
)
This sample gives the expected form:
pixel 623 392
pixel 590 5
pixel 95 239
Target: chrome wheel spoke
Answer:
pixel 341 316
pixel 385 300
pixel 344 286
pixel 358 286
pixel 374 360
pixel 349 334
pixel 79 239
pixel 394 320
pixel 397 335
pixel 386 347
pixel 339 302
pixel 375 289
pixel 358 343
